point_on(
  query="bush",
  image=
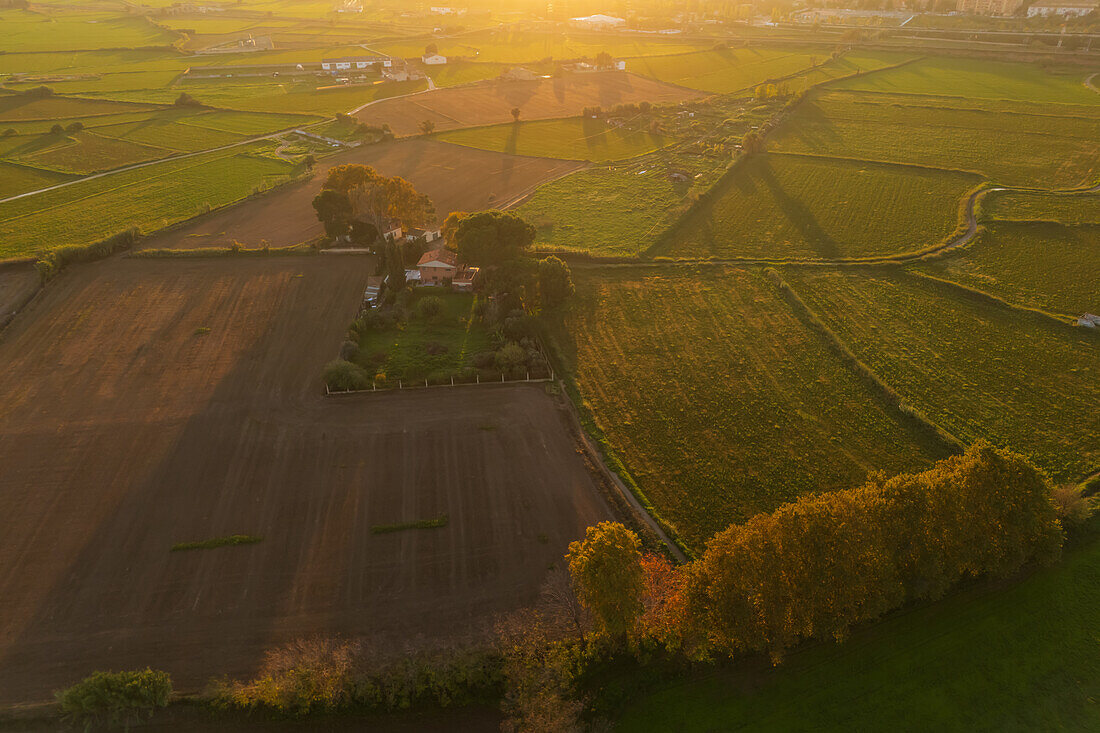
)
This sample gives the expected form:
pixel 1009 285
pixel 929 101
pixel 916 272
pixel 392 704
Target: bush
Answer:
pixel 58 259
pixel 343 376
pixel 485 359
pixel 115 698
pixel 510 356
pixel 75 127
pixel 349 350
pixel 10 132
pixel 430 307
pixel 1073 507
pixel 57 130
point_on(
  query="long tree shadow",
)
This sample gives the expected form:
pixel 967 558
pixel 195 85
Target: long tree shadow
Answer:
pixel 797 213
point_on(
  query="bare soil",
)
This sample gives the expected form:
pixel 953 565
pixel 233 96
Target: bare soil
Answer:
pixel 18 283
pixel 126 428
pixel 456 178
pixel 491 102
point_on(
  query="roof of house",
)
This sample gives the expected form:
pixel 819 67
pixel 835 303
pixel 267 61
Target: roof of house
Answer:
pixel 598 19
pixel 349 59
pixel 444 257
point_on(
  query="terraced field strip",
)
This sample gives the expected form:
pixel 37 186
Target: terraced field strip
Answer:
pixel 1044 265
pixel 1051 145
pixel 977 369
pixel 720 402
pixel 1066 208
pixel 568 139
pixel 783 207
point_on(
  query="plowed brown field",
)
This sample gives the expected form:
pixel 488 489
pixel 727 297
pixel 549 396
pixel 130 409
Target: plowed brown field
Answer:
pixel 491 102
pixel 455 177
pixel 125 429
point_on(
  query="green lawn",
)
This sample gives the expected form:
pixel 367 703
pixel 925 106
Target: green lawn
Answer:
pixel 148 198
pixel 974 78
pixel 1024 144
pixel 1014 656
pixel 979 370
pixel 781 207
pixel 717 398
pixel 571 139
pixel 1081 208
pixel 403 353
pixel 1039 265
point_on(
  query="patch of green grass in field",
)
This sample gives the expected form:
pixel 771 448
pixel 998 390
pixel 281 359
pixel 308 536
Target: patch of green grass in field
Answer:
pixel 230 541
pixel 434 523
pixel 979 370
pixel 93 62
pixel 1040 145
pixel 149 198
pixel 32 31
pixel 19 107
pixel 292 97
pixel 131 85
pixel 403 353
pixel 1012 656
pixel 1083 208
pixel 88 152
pixel 579 138
pixel 852 62
pixel 17 179
pixel 727 70
pixel 604 211
pixel 1039 265
pixel 247 124
pixel 970 78
pixel 717 398
pixel 38 127
pixel 782 207
pixel 464 72
pixel 189 131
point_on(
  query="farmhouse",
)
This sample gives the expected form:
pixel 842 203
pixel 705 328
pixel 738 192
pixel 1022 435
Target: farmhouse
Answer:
pixel 392 231
pixel 1061 7
pixel 353 62
pixel 989 7
pixel 434 59
pixel 437 267
pixel 597 22
pixel 445 10
pixel 1089 321
pixel 428 235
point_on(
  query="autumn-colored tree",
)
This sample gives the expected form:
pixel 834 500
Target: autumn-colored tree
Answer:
pixel 516 112
pixel 604 60
pixel 493 237
pixel 606 567
pixel 555 282
pixel 373 199
pixel 450 225
pixel 427 127
pixel 664 603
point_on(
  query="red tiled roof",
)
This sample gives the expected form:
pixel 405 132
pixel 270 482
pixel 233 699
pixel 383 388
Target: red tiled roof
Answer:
pixel 439 255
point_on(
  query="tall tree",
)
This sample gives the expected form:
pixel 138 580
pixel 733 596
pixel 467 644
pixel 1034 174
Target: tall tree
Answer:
pixel 604 60
pixel 450 226
pixel 606 567
pixel 334 211
pixel 516 112
pixel 555 282
pixel 427 127
pixel 493 238
pixel 381 200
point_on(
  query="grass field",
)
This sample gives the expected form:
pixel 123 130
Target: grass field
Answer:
pixel 1039 265
pixel 973 78
pixel 717 398
pixel 23 108
pixel 579 138
pixel 32 31
pixel 464 72
pixel 88 152
pixel 1014 656
pixel 403 353
pixel 1038 145
pixel 16 179
pixel 780 207
pixel 979 370
pixel 727 70
pixel 134 86
pixel 93 62
pixel 291 97
pixel 1034 206
pixel 148 198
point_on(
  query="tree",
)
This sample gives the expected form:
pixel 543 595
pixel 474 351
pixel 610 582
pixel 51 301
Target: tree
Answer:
pixel 375 199
pixel 493 237
pixel 333 211
pixel 450 224
pixel 186 100
pixel 604 60
pixel 555 282
pixel 752 143
pixel 431 49
pixel 427 127
pixel 606 568
pixel 516 111
pixel 57 130
pixel 309 161
pixel 75 127
pixel 10 132
pixel 115 698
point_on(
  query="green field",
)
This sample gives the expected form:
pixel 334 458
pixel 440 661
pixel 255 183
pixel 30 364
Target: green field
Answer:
pixel 33 31
pixel 1039 265
pixel 16 179
pixel 464 72
pixel 727 70
pixel 1015 656
pixel 15 108
pixel 402 354
pixel 979 79
pixel 288 96
pixel 1037 145
pixel 148 198
pixel 85 152
pixel 720 402
pixel 572 139
pixel 93 62
pixel 783 207
pixel 1081 208
pixel 979 370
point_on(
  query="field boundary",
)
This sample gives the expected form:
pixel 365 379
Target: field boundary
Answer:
pixel 887 395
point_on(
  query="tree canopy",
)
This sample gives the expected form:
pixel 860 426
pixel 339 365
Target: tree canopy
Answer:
pixel 358 193
pixel 606 567
pixel 493 238
pixel 555 282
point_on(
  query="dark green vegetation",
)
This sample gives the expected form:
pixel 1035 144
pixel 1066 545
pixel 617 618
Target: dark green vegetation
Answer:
pixel 717 399
pixel 228 541
pixel 115 698
pixel 1042 265
pixel 1016 655
pixel 433 523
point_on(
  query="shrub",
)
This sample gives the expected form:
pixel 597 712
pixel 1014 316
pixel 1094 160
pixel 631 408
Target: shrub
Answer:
pixel 1073 507
pixel 10 132
pixel 57 130
pixel 485 359
pixel 430 307
pixel 115 698
pixel 59 258
pixel 75 127
pixel 435 348
pixel 349 350
pixel 511 355
pixel 343 376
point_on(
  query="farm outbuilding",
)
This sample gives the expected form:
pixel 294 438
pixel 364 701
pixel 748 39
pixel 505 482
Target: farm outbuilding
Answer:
pixel 597 22
pixel 1089 320
pixel 434 60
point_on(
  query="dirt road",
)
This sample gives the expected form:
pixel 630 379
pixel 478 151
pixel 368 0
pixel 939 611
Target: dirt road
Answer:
pixel 125 427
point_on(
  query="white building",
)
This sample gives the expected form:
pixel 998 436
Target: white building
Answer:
pixel 1061 7
pixel 444 10
pixel 434 60
pixel 597 22
pixel 353 62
